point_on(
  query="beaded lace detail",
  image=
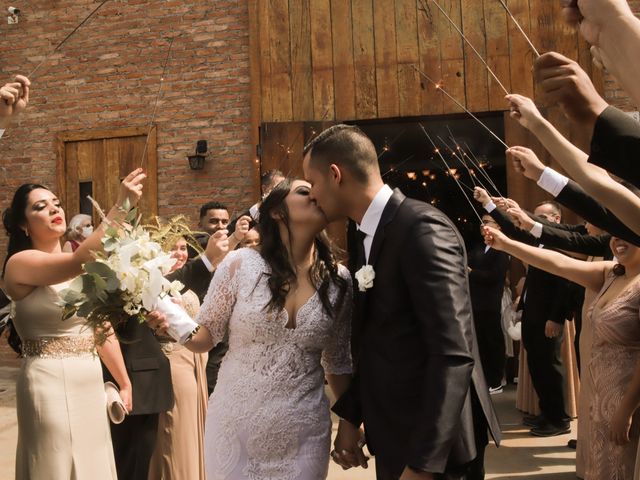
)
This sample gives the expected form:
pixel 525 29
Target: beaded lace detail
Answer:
pixel 268 416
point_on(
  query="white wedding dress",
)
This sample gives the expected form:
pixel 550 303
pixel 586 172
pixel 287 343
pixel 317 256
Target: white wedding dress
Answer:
pixel 268 417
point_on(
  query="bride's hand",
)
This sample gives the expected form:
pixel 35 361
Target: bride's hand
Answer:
pixel 495 238
pixel 131 189
pixel 126 395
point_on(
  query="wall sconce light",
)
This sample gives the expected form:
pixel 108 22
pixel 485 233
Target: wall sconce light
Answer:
pixel 196 161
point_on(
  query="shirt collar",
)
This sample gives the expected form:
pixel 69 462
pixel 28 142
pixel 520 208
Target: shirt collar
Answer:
pixel 372 216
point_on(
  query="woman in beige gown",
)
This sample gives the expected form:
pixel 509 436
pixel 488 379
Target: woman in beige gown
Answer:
pixel 63 430
pixel 179 452
pixel 614 363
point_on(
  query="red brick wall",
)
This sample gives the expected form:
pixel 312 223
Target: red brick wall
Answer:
pixel 107 75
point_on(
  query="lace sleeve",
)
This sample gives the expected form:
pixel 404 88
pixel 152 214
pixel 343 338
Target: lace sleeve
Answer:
pixel 217 306
pixel 336 357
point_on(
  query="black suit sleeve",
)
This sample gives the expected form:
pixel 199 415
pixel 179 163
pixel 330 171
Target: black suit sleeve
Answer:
pixel 433 263
pixel 510 230
pixel 569 227
pixel 494 274
pixel 615 145
pixel 575 242
pixel 575 198
pixel 194 275
pixel 561 301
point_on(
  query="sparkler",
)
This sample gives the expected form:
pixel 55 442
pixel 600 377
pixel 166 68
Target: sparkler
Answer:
pixel 461 160
pixel 437 150
pixel 393 169
pixel 439 87
pixel 474 161
pixel 468 43
pixel 155 108
pixel 526 37
pixel 33 72
pixel 387 147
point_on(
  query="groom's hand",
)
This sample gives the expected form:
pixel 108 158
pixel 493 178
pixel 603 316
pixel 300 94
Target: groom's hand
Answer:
pixel 348 446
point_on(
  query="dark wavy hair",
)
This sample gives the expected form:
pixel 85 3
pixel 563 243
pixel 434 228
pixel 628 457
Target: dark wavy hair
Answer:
pixel 324 270
pixel 13 218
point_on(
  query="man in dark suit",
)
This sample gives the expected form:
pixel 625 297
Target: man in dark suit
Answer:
pixel 150 374
pixel 419 387
pixel 546 304
pixel 487 274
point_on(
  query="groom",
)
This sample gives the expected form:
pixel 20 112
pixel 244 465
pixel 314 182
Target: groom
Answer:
pixel 419 387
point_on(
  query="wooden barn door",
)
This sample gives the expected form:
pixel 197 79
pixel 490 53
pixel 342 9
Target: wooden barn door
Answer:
pixel 95 162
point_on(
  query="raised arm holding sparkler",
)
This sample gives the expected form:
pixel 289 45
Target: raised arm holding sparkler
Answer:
pixel 14 98
pixel 595 180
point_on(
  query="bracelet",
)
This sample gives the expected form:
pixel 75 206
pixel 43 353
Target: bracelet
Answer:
pixel 195 331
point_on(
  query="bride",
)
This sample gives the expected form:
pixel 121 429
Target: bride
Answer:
pixel 287 312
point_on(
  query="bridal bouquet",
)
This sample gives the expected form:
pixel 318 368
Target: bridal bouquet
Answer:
pixel 125 281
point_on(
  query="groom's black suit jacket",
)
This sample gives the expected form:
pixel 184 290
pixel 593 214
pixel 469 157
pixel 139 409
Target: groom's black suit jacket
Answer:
pixel 415 346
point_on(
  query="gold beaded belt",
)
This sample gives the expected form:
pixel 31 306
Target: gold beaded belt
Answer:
pixel 58 347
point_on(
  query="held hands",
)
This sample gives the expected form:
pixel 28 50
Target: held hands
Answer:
pixel 157 321
pixel 348 446
pixel 14 96
pixel 524 111
pixel 525 161
pixel 131 189
pixel 217 247
pixel 552 329
pixel 126 395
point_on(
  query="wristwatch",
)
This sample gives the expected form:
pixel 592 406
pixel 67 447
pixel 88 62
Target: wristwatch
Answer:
pixel 195 330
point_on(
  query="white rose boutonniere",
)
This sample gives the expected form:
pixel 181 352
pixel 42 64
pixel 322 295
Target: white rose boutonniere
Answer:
pixel 365 277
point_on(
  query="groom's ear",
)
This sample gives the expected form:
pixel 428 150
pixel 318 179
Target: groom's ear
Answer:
pixel 335 174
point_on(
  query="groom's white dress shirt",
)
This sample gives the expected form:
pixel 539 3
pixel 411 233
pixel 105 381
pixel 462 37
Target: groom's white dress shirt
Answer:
pixel 372 216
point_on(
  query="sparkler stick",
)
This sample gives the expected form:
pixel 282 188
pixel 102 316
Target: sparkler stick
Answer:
pixel 437 150
pixel 392 169
pixel 526 37
pixel 439 87
pixel 461 160
pixel 287 150
pixel 386 148
pixel 468 43
pixel 33 72
pixel 155 108
pixel 474 161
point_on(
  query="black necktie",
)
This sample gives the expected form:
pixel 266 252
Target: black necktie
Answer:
pixel 362 258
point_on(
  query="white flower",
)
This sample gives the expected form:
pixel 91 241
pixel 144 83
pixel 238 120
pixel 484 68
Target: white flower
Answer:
pixel 365 277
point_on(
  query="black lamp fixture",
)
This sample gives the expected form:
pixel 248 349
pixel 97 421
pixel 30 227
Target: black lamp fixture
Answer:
pixel 196 161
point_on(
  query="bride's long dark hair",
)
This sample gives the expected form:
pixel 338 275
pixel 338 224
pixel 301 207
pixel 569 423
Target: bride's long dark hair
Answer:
pixel 324 270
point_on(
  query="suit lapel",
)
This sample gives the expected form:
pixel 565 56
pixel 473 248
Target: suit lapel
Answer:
pixel 388 214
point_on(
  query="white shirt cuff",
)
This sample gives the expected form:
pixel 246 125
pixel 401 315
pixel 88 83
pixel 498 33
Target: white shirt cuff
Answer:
pixel 490 207
pixel 1 132
pixel 206 262
pixel 552 181
pixel 536 230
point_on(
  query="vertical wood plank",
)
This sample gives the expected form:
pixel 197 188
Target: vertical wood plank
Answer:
pixel 344 68
pixel 72 191
pixel 280 59
pixel 364 59
pixel 497 32
pixel 151 195
pixel 408 52
pixel 255 87
pixel 265 60
pixel 384 26
pixel 521 56
pixel 542 28
pixel 111 147
pixel 475 73
pixel 430 57
pixel 301 76
pixel 322 60
pixel 452 55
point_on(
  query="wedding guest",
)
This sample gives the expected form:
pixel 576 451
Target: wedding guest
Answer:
pixel 544 312
pixel 596 181
pixel 14 98
pixel 62 421
pixel 179 451
pixel 80 227
pixel 251 239
pixel 615 353
pixel 288 330
pixel 487 273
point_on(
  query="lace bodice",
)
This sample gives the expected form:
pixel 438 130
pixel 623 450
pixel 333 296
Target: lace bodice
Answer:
pixel 269 401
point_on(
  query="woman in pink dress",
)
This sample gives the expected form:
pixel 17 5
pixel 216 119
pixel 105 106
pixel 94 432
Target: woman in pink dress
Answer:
pixel 615 354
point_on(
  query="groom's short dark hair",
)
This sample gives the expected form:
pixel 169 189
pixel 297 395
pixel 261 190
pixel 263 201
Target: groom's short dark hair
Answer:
pixel 346 146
